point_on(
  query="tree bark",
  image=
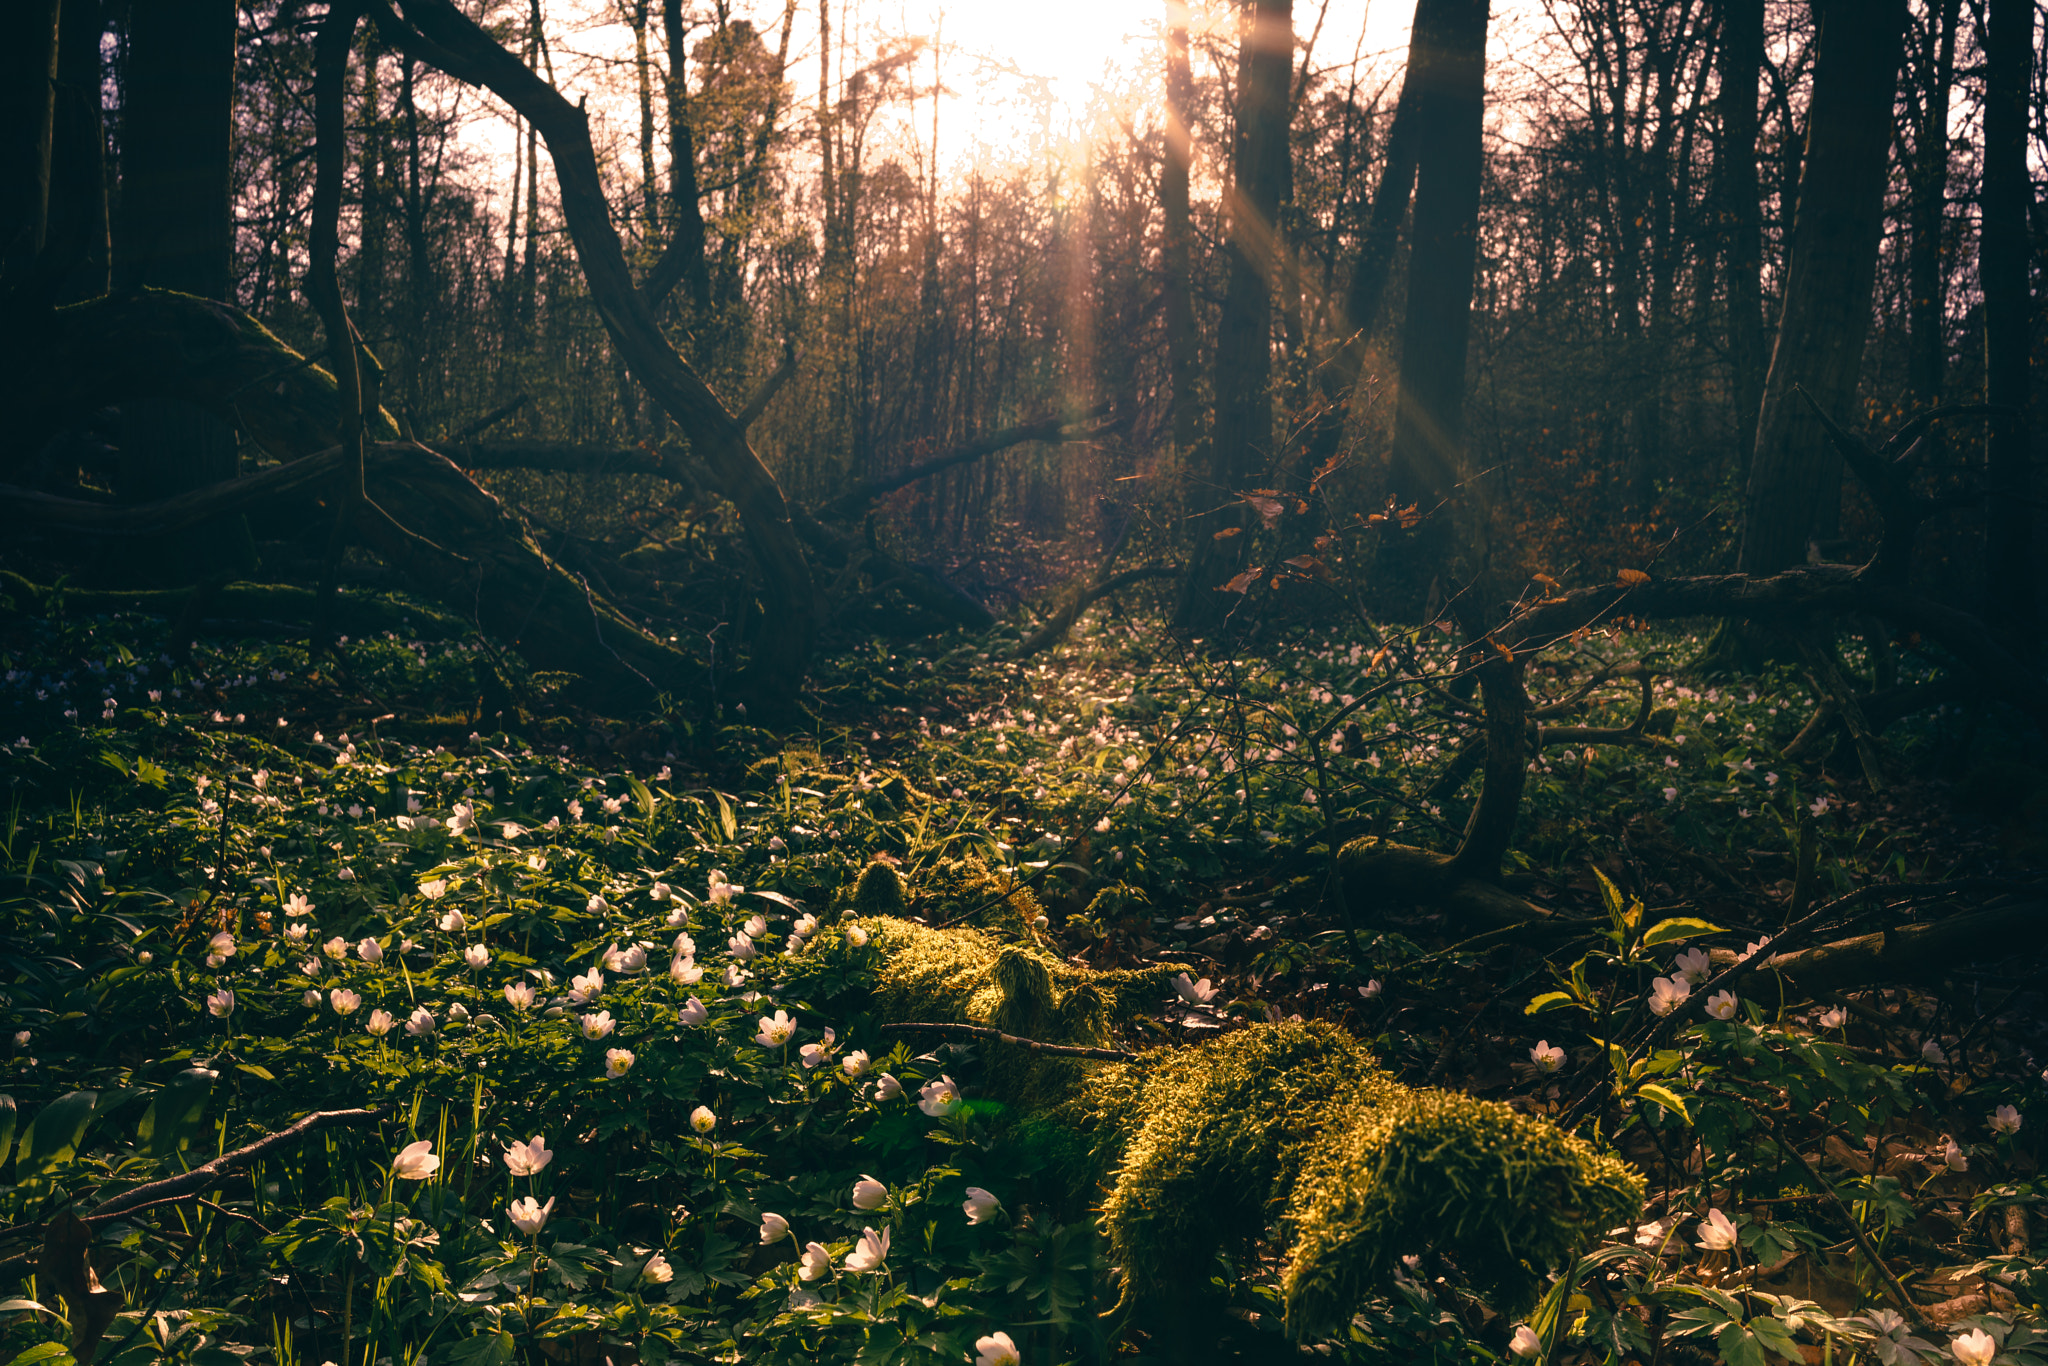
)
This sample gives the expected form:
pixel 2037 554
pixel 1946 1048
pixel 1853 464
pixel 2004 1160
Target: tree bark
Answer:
pixel 780 655
pixel 1795 480
pixel 1339 379
pixel 682 260
pixel 177 115
pixel 28 107
pixel 1741 59
pixel 2008 312
pixel 1177 235
pixel 1427 460
pixel 1241 436
pixel 481 563
pixel 1926 270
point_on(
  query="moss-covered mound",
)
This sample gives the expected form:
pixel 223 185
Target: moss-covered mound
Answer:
pixel 1505 1195
pixel 1283 1128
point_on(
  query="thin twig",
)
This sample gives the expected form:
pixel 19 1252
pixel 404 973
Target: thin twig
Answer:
pixel 981 1032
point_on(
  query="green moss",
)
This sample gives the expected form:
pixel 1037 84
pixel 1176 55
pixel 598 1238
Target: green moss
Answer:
pixel 878 892
pixel 1218 1136
pixel 1505 1195
pixel 1288 1129
pixel 966 891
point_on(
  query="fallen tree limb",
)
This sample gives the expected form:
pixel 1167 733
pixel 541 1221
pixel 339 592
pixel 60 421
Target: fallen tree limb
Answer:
pixel 482 564
pixel 1049 429
pixel 1788 596
pixel 155 344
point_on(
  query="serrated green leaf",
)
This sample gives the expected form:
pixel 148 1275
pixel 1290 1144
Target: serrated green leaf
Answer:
pixel 1676 928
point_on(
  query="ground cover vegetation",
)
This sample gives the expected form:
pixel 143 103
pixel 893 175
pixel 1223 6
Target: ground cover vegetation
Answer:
pixel 1383 708
pixel 598 1047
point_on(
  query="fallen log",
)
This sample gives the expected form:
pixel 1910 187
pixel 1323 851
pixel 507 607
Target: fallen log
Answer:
pixel 481 563
pixel 156 344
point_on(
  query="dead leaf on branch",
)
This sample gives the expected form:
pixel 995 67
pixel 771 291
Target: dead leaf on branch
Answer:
pixel 1633 578
pixel 1240 583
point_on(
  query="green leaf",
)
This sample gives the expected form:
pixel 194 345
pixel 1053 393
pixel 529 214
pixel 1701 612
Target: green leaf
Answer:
pixel 54 1133
pixel 1612 901
pixel 1676 928
pixel 9 1114
pixel 1739 1347
pixel 52 1352
pixel 259 1072
pixel 1666 1097
pixel 1549 1000
pixel 642 796
pixel 174 1115
pixel 19 1306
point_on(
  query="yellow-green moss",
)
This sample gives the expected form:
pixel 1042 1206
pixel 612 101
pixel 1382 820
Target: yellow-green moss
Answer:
pixel 1218 1137
pixel 973 976
pixel 1507 1196
pixel 1288 1127
pixel 879 891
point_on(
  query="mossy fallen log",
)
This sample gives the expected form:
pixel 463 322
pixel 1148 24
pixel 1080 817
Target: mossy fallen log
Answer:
pixel 264 605
pixel 70 362
pixel 1280 1135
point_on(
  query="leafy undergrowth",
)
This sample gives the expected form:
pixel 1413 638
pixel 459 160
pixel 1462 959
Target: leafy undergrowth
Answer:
pixel 617 1116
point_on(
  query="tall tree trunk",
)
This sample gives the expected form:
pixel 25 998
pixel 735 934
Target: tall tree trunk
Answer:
pixel 1741 193
pixel 1427 461
pixel 28 108
pixel 419 262
pixel 1795 484
pixel 1926 270
pixel 177 114
pixel 1177 235
pixel 83 260
pixel 2008 310
pixel 1243 430
pixel 1340 377
pixel 650 180
pixel 682 262
pixel 374 224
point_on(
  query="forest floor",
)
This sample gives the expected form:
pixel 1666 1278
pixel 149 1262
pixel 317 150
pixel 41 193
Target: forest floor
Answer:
pixel 247 886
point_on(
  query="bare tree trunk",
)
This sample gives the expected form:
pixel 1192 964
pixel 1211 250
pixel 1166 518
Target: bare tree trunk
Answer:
pixel 1340 377
pixel 1795 483
pixel 1242 433
pixel 1742 59
pixel 2009 310
pixel 447 38
pixel 650 181
pixel 28 109
pixel 175 232
pixel 682 261
pixel 1176 255
pixel 1427 460
pixel 81 267
pixel 1926 270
